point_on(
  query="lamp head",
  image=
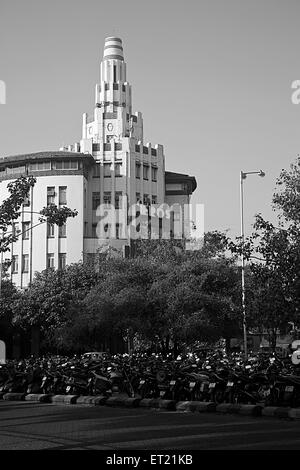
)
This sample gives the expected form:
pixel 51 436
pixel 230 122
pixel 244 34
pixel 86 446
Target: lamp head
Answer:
pixel 261 173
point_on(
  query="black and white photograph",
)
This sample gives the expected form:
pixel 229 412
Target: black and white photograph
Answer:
pixel 150 229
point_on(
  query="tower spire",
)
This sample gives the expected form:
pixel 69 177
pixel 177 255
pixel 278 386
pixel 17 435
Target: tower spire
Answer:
pixel 113 67
pixel 113 49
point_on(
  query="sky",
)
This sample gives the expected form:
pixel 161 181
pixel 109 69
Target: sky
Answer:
pixel 211 77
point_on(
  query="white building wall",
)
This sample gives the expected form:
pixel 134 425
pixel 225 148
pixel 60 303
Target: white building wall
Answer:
pixel 38 245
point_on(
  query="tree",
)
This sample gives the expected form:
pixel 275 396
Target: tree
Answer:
pixel 274 258
pixel 50 297
pixel 19 190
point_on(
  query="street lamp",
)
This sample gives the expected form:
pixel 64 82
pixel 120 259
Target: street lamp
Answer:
pixel 243 176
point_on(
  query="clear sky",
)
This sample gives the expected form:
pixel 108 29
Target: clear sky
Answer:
pixel 211 77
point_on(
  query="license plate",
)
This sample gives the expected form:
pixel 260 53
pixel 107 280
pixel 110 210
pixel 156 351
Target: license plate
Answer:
pixel 212 385
pixel 68 388
pixel 192 384
pixel 142 382
pixel 173 382
pixel 229 384
pixel 289 388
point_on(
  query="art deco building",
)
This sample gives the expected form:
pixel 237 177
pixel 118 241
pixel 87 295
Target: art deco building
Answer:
pixel 114 179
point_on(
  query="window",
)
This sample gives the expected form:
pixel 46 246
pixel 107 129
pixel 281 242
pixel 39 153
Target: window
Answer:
pixel 146 199
pixel 145 172
pixel 26 201
pixel 14 264
pixel 107 199
pixel 50 230
pixel 118 230
pixel 96 170
pixel 50 195
pixel 15 229
pixel 107 172
pixel 96 147
pixel 137 170
pixel 62 231
pixel 94 230
pixel 66 165
pixel 118 167
pixel 50 260
pixel 138 197
pixel 25 230
pixel 95 201
pixel 154 173
pixel 62 260
pixel 107 231
pixel 25 263
pixel 118 200
pixel 154 199
pixel 40 166
pixel 85 229
pixel 62 195
pixel 15 169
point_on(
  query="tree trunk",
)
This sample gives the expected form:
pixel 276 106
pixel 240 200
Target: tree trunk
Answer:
pixel 227 345
pixel 273 339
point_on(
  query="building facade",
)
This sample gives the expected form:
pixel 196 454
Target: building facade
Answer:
pixel 116 182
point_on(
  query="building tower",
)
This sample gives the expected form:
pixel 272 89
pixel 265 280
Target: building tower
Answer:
pixel 109 177
pixel 128 171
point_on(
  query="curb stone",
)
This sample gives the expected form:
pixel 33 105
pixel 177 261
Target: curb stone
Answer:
pixel 167 405
pixel 132 402
pixel 282 412
pixel 269 410
pixel 224 408
pixel 91 400
pixel 252 410
pixel 148 403
pixel 65 399
pixel 38 397
pixel 14 396
pixel 116 401
pixel 158 403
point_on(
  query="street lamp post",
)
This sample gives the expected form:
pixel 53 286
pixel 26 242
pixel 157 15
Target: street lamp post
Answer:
pixel 243 175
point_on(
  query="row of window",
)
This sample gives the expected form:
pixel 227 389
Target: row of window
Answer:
pixel 62 230
pixel 146 172
pixel 107 145
pixel 144 149
pixel 107 200
pixel 41 166
pixel 107 231
pixel 54 165
pixel 115 86
pixel 62 258
pixel 107 171
pixel 62 195
pixel 146 199
pixel 96 201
